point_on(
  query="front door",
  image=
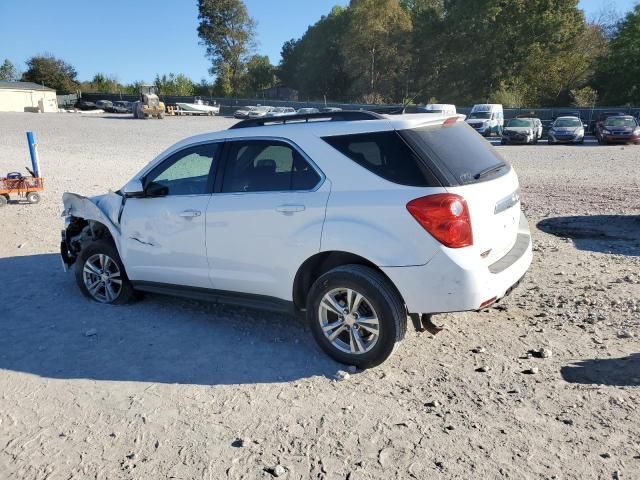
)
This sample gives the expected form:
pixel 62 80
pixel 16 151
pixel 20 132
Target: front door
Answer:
pixel 266 220
pixel 164 231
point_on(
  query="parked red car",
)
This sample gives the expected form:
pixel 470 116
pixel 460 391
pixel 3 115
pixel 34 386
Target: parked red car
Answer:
pixel 620 129
pixel 597 129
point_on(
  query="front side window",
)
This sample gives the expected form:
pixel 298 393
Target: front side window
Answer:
pixel 267 166
pixel 186 172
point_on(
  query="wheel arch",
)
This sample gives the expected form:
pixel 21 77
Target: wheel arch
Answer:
pixel 319 264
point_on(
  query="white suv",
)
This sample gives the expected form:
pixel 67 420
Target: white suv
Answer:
pixel 355 219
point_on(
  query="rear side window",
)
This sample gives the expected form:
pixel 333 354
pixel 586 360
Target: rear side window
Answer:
pixel 459 154
pixel 267 166
pixel 387 155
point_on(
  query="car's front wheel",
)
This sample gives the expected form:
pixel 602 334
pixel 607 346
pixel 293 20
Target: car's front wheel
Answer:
pixel 101 275
pixel 356 315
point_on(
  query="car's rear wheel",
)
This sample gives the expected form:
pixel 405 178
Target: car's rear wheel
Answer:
pixel 101 275
pixel 356 315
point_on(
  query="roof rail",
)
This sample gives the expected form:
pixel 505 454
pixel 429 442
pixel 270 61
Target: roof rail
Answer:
pixel 344 116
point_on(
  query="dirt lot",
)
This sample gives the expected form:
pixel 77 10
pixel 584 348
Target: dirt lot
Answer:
pixel 178 389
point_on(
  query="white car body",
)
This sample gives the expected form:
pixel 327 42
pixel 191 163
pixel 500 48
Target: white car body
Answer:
pixel 255 244
pixel 487 118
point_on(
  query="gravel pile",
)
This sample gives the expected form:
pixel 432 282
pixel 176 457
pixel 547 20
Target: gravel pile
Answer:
pixel 545 385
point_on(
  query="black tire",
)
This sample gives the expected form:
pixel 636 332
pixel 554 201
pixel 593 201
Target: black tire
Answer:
pixel 379 293
pixel 503 142
pixel 33 197
pixel 126 294
pixel 4 199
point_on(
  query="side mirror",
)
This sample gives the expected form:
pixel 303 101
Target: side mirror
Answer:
pixel 133 189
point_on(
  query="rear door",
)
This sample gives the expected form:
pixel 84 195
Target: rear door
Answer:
pixel 265 218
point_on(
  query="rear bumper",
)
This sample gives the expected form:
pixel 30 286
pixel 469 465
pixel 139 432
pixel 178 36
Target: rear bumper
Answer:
pixel 444 285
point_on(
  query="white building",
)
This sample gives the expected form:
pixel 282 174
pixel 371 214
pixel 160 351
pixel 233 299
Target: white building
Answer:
pixel 27 97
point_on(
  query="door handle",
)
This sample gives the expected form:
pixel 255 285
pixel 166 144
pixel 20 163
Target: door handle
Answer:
pixel 289 209
pixel 190 213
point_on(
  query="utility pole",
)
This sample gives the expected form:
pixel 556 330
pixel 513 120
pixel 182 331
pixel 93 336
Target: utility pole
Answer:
pixel 373 66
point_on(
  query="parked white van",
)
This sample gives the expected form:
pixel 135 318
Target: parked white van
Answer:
pixel 487 118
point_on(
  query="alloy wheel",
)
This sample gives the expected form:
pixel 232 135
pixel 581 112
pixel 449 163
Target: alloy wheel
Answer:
pixel 102 278
pixel 349 321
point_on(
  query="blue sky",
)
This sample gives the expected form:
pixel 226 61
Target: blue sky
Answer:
pixel 135 39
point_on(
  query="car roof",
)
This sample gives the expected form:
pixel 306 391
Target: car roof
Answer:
pixel 321 128
pixel 568 117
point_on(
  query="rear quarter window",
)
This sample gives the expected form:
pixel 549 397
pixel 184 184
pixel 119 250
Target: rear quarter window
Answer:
pixel 387 155
pixel 457 152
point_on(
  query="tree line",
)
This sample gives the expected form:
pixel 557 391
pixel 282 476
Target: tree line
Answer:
pixel 515 52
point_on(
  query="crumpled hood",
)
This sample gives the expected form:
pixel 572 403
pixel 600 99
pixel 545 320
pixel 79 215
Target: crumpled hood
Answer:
pixel 101 208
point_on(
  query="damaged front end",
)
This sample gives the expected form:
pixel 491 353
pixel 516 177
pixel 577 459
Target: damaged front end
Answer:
pixel 89 219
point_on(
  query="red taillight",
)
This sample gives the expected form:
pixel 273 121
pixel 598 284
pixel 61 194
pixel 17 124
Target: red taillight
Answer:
pixel 446 217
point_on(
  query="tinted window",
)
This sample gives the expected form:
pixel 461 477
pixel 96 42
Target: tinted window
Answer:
pixel 266 166
pixel 386 155
pixel 184 173
pixel 458 152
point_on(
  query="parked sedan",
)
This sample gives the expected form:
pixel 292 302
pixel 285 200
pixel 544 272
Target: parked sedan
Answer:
pixel 281 112
pixel 620 129
pixel 566 130
pixel 522 130
pixel 258 112
pixel 599 125
pixel 242 112
pixel 119 107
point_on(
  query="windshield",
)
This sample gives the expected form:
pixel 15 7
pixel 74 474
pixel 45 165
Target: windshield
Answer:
pixel 483 115
pixel 620 122
pixel 567 123
pixel 520 122
pixel 458 151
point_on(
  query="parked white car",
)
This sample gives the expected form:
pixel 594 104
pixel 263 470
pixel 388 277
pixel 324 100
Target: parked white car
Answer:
pixel 259 111
pixel 281 111
pixel 307 111
pixel 356 221
pixel 522 130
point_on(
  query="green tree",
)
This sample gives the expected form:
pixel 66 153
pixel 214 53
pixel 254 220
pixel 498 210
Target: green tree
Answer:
pixel 8 72
pixel 618 77
pixel 584 97
pixel 376 48
pixel 260 74
pixel 315 64
pixel 227 31
pixel 175 84
pixel 102 83
pixel 52 72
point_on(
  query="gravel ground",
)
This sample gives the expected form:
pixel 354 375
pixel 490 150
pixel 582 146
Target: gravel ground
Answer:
pixel 546 385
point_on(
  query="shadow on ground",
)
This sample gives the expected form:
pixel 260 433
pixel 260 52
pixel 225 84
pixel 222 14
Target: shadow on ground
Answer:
pixel 619 372
pixel 614 234
pixel 48 328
